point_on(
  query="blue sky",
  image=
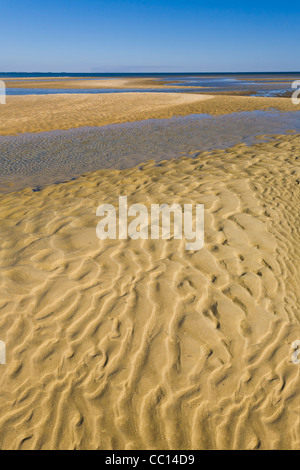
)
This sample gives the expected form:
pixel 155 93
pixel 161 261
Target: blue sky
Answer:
pixel 149 36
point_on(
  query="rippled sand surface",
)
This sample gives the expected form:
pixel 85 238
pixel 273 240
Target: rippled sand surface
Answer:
pixel 142 344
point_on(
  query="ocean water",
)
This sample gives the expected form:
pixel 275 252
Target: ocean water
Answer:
pixel 35 160
pixel 253 84
pixel 171 76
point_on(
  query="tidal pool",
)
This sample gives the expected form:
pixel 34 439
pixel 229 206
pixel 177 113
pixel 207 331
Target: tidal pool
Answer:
pixel 35 160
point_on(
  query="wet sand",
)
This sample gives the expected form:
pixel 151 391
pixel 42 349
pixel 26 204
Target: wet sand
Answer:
pixel 87 83
pixel 50 112
pixel 39 159
pixel 119 83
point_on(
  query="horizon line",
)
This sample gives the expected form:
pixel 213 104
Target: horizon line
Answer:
pixel 162 72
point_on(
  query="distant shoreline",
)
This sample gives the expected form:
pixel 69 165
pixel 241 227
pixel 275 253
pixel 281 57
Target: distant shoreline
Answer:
pixel 133 74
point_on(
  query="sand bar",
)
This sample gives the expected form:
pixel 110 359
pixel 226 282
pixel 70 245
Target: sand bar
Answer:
pixel 49 112
pixel 61 83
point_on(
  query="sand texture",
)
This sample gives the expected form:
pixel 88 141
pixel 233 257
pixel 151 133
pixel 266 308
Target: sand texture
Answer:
pixel 50 112
pixel 129 82
pixel 62 83
pixel 141 344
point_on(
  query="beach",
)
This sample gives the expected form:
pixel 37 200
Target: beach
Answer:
pixel 149 229
pixel 141 344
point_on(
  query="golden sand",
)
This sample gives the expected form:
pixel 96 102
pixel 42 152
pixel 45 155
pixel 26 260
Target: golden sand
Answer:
pixel 61 83
pixel 81 82
pixel 113 83
pixel 49 112
pixel 142 344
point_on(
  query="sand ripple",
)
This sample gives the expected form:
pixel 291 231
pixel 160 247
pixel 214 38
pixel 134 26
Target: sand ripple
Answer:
pixel 141 344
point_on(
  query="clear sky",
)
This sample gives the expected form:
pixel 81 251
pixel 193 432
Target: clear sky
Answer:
pixel 149 36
